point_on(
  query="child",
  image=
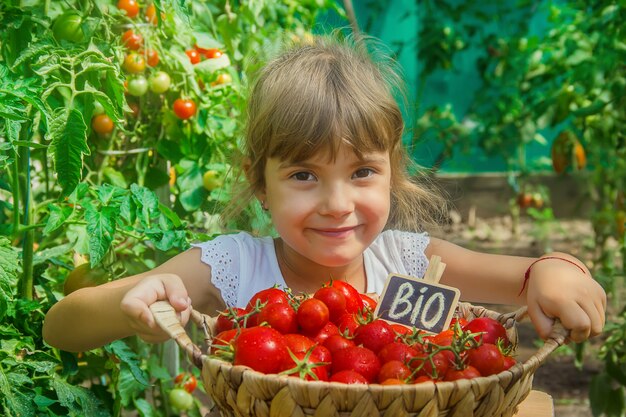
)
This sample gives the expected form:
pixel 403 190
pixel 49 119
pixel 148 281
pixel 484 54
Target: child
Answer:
pixel 325 159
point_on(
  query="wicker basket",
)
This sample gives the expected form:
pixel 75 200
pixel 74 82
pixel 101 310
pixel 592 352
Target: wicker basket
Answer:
pixel 241 391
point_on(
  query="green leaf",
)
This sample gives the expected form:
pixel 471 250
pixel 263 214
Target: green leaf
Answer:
pixel 209 66
pixel 144 408
pixel 68 144
pixel 14 401
pixel 45 255
pixel 115 177
pixel 109 108
pixel 101 230
pixel 78 400
pixel 56 218
pixel 8 274
pixel 130 358
pixel 147 201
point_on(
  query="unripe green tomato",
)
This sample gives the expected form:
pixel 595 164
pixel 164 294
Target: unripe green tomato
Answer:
pixel 180 399
pixel 160 82
pixel 67 27
pixel 211 180
pixel 138 86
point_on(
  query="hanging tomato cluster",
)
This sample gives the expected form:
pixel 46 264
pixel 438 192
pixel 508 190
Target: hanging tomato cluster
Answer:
pixel 334 336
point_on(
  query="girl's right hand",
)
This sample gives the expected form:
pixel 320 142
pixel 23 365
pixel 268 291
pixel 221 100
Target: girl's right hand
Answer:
pixel 158 287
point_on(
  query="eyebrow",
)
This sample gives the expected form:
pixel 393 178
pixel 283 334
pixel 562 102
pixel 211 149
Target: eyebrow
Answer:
pixel 365 160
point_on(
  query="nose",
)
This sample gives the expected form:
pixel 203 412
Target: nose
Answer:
pixel 337 200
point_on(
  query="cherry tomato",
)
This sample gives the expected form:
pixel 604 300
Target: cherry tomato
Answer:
pixel 487 359
pixel 180 399
pixel 102 124
pixel 468 373
pixel 435 369
pixel 227 320
pixel 151 15
pixel 138 86
pixel 509 361
pixel 393 370
pixel 152 57
pixel 261 348
pixel 187 381
pixel 348 377
pixel 336 342
pixel 223 341
pixel 334 300
pixel 269 296
pixel 368 302
pixel 184 108
pixel 297 343
pixel 223 78
pixel 491 330
pixel 132 40
pixel 353 299
pixel 312 315
pixel 194 56
pixel 131 7
pixel 211 180
pixel 68 27
pixel 279 316
pixel 328 330
pixel 374 335
pixel 348 324
pixel 397 351
pixel 134 63
pixel 307 366
pixel 359 359
pixel 211 53
pixel 160 82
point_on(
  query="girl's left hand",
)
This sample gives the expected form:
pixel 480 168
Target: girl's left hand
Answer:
pixel 558 289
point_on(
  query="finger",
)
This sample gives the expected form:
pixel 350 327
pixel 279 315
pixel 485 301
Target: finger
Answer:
pixel 176 293
pixel 138 310
pixel 578 320
pixel 543 323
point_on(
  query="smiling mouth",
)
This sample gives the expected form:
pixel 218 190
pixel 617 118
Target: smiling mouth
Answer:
pixel 335 232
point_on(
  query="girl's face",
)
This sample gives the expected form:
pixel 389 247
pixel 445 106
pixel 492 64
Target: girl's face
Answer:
pixel 329 212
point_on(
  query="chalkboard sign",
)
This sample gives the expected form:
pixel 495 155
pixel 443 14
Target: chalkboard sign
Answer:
pixel 411 301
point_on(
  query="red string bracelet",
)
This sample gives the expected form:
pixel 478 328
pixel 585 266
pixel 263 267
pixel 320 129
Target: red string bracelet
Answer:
pixel 527 273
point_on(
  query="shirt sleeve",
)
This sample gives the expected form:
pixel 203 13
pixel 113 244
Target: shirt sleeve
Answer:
pixel 412 252
pixel 222 254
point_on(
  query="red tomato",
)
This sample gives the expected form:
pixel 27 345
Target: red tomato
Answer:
pixel 337 342
pixel 374 335
pixel 187 381
pixel 368 302
pixel 229 319
pixel 297 343
pixel 401 330
pixel 307 366
pixel 509 361
pixel 491 330
pixel 348 324
pixel 184 109
pixel 134 63
pixel 455 374
pixel 263 297
pixel 359 359
pixel 152 57
pixel 348 377
pixel 132 40
pixel 279 316
pixel 102 124
pixel 422 378
pixel 222 342
pixel 393 370
pixel 210 53
pixel 435 368
pixel 312 315
pixel 328 330
pixel 131 7
pixel 261 348
pixel 462 322
pixel 354 303
pixel 487 359
pixel 397 351
pixel 151 15
pixel 194 56
pixel 444 338
pixel 334 300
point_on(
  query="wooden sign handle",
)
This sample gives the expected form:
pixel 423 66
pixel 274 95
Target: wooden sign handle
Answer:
pixel 435 269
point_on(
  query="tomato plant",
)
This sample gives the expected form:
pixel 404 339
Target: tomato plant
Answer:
pixel 184 108
pixel 187 381
pixel 152 57
pixel 180 399
pixel 194 55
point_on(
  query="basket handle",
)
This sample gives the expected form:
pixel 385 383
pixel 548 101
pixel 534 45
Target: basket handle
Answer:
pixel 165 316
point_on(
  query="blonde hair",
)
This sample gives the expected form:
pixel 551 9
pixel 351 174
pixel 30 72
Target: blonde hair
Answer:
pixel 322 94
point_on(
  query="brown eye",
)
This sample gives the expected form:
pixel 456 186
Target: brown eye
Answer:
pixel 303 176
pixel 363 173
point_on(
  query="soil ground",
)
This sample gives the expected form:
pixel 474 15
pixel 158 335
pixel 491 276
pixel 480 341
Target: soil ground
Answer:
pixel 558 376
